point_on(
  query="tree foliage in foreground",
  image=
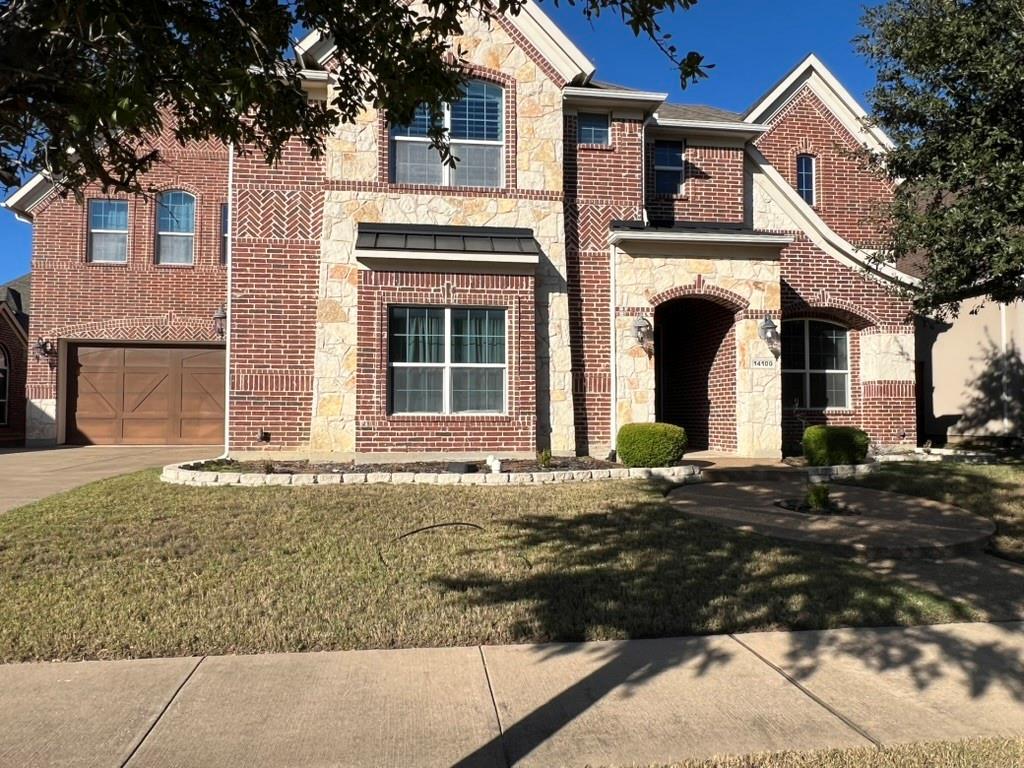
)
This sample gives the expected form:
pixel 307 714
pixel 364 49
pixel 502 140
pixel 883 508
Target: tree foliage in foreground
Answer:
pixel 950 94
pixel 82 84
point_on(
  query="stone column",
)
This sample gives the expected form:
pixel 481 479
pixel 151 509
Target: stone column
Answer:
pixel 758 394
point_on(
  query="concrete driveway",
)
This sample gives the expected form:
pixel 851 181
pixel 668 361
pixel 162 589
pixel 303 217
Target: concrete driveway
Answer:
pixel 30 475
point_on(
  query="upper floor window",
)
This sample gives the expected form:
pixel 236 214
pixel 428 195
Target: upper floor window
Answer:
pixel 593 128
pixel 668 167
pixel 175 227
pixel 447 360
pixel 223 233
pixel 805 178
pixel 4 376
pixel 815 365
pixel 475 125
pixel 108 231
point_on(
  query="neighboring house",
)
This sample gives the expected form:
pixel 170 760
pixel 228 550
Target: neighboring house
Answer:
pixel 971 376
pixel 598 257
pixel 14 310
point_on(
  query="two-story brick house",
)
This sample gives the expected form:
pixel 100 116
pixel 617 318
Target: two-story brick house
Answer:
pixel 598 256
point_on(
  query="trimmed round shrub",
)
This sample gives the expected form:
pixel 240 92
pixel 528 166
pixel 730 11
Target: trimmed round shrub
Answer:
pixel 650 445
pixel 826 446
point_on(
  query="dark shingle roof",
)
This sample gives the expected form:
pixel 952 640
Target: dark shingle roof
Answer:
pixel 697 112
pixel 445 239
pixel 15 295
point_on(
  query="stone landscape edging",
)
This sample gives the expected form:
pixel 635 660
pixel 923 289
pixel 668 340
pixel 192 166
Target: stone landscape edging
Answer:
pixel 839 472
pixel 176 473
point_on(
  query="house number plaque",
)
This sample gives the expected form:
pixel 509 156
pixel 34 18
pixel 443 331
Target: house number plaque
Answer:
pixel 763 362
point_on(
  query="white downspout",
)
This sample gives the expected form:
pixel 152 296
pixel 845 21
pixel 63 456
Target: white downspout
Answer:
pixel 229 257
pixel 1004 333
pixel 613 253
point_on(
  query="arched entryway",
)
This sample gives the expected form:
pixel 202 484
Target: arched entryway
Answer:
pixel 695 371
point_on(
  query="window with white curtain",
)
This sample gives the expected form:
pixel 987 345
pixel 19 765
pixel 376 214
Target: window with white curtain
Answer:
pixel 5 374
pixel 175 227
pixel 815 365
pixel 475 125
pixel 108 231
pixel 447 360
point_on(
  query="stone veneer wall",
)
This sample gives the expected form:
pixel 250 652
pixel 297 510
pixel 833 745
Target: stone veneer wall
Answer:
pixel 359 190
pixel 748 287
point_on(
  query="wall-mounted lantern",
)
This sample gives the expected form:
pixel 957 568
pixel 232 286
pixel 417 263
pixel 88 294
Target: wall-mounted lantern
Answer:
pixel 44 349
pixel 644 332
pixel 220 321
pixel 769 333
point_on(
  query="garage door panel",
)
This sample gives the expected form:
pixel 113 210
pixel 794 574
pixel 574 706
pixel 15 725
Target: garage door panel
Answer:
pixel 147 357
pixel 101 357
pixel 201 431
pixel 146 395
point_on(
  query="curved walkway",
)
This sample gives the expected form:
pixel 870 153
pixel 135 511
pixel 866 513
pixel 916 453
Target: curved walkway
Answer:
pixel 885 524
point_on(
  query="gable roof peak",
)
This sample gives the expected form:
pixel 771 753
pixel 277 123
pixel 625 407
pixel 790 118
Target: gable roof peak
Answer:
pixel 812 73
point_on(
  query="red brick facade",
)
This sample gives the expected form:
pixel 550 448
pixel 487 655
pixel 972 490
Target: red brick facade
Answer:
pixel 15 352
pixel 138 300
pixel 280 272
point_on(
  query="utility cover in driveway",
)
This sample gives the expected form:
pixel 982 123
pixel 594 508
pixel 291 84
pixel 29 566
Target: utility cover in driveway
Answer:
pixel 146 395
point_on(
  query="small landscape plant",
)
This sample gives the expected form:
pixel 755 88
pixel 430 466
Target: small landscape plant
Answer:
pixel 544 459
pixel 650 445
pixel 826 446
pixel 817 497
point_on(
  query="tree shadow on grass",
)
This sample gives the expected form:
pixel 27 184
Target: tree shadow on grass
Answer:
pixel 645 571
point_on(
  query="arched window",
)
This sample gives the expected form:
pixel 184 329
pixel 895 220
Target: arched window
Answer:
pixel 5 375
pixel 815 365
pixel 476 127
pixel 175 227
pixel 805 178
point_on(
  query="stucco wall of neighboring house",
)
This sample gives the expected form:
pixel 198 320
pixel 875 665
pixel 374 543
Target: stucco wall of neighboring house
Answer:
pixel 973 374
pixel 139 300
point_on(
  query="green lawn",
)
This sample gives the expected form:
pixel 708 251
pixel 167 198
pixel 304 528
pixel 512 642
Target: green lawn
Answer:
pixel 132 567
pixel 970 753
pixel 994 491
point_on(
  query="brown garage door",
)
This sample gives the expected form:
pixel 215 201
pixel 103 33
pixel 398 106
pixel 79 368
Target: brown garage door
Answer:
pixel 146 395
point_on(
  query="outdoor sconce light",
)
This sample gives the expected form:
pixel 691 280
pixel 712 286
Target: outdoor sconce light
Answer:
pixel 220 319
pixel 769 333
pixel 43 349
pixel 644 332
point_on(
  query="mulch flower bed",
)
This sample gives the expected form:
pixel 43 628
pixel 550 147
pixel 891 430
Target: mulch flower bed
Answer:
pixel 801 506
pixel 270 467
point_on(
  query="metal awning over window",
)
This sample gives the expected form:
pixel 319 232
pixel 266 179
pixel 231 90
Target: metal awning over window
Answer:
pixel 445 244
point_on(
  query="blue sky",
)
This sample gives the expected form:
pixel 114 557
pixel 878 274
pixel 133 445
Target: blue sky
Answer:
pixel 751 42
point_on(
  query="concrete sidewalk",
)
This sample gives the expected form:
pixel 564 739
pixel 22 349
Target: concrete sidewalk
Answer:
pixel 614 703
pixel 27 475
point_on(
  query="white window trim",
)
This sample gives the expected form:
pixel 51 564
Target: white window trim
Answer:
pixel 5 366
pixel 814 178
pixel 681 168
pixel 448 366
pixel 446 170
pixel 191 235
pixel 91 257
pixel 606 115
pixel 806 371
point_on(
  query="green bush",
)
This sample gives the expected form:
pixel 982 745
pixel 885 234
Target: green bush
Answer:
pixel 817 497
pixel 825 446
pixel 650 445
